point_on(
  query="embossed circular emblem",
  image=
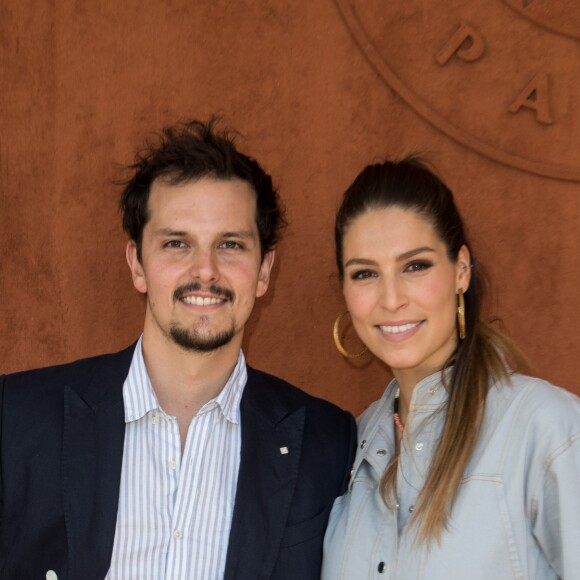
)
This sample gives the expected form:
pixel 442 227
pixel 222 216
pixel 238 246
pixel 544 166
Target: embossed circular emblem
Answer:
pixel 502 77
pixel 561 16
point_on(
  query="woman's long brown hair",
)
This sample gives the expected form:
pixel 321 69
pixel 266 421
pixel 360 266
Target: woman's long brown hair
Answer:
pixel 481 358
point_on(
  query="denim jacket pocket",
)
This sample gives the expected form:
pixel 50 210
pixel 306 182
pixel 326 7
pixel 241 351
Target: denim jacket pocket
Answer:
pixel 483 527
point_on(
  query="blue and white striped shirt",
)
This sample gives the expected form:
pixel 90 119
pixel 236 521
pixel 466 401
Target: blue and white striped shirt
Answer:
pixel 175 511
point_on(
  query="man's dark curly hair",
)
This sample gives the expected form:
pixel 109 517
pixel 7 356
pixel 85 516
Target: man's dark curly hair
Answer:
pixel 190 151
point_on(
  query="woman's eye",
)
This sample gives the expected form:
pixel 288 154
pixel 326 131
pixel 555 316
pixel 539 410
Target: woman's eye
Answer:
pixel 362 274
pixel 418 266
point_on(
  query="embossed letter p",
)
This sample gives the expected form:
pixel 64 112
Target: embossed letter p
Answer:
pixel 467 43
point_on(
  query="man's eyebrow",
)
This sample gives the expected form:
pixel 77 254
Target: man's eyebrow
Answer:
pixel 227 234
pixel 238 234
pixel 169 232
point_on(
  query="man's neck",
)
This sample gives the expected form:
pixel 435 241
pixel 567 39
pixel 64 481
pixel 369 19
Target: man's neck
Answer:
pixel 184 380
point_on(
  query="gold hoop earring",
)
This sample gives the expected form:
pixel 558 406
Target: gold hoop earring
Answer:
pixel 461 313
pixel 336 335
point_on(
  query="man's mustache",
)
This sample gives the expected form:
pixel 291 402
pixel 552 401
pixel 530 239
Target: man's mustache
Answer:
pixel 219 291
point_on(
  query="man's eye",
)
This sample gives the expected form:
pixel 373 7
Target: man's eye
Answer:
pixel 174 244
pixel 418 266
pixel 362 274
pixel 230 245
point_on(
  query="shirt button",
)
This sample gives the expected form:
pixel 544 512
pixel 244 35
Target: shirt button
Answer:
pixel 412 509
pixel 171 464
pixel 381 567
pixel 419 446
pixel 381 452
pixel 362 445
pixel 177 534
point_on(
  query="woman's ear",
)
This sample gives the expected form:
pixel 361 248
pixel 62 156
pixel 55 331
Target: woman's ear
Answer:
pixel 463 274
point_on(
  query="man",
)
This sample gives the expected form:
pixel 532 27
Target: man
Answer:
pixel 173 459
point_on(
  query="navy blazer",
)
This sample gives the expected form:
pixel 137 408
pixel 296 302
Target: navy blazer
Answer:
pixel 61 449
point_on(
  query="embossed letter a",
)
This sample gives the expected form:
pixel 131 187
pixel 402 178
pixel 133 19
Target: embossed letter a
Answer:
pixel 467 43
pixel 535 96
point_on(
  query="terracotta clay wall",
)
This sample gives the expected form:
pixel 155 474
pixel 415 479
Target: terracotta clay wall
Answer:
pixel 486 89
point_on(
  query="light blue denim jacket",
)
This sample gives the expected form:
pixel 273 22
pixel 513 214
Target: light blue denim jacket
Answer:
pixel 517 514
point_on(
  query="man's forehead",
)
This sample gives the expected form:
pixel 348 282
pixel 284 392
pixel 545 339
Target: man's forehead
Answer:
pixel 225 196
pixel 173 182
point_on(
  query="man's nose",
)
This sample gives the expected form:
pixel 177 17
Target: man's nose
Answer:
pixel 203 267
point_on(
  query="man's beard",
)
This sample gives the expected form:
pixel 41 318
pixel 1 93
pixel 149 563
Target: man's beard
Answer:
pixel 193 339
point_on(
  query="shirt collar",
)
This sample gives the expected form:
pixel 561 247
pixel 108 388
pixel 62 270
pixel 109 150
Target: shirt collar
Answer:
pixel 376 431
pixel 139 397
pixel 430 392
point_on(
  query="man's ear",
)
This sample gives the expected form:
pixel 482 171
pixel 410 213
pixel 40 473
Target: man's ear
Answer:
pixel 137 272
pixel 463 274
pixel 264 273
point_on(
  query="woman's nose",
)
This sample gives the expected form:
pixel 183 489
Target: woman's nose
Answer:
pixel 394 294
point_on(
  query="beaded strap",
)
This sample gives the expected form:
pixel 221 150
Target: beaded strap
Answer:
pixel 396 417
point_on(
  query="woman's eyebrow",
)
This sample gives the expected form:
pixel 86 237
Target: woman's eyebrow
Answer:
pixel 412 253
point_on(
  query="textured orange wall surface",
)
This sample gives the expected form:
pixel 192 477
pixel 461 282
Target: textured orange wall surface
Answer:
pixel 486 89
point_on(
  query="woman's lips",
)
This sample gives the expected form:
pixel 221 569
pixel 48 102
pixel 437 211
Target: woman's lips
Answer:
pixel 398 331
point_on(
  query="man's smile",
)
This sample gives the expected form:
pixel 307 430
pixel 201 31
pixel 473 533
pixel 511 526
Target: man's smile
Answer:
pixel 201 300
pixel 194 294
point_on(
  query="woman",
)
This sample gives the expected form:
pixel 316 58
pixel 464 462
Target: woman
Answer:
pixel 465 470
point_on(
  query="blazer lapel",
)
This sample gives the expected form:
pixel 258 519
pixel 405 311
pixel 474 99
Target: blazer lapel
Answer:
pixel 270 457
pixel 94 429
